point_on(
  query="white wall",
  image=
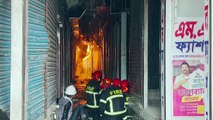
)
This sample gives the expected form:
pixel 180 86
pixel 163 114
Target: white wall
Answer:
pixel 189 8
pixel 177 9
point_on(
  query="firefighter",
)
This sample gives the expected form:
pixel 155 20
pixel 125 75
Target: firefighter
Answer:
pixel 125 90
pixel 97 75
pixel 93 95
pixel 112 102
pixel 105 83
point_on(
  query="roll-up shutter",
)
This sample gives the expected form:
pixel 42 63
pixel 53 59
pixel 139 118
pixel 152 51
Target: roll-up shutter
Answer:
pixel 50 76
pixel 37 53
pixel 136 49
pixel 5 53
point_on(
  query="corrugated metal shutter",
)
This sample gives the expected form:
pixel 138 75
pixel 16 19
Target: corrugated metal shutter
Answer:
pixel 107 54
pixel 37 52
pixel 112 52
pixel 5 53
pixel 50 76
pixel 153 44
pixel 136 49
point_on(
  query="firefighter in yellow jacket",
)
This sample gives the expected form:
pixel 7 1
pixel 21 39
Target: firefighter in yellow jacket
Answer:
pixel 105 83
pixel 125 90
pixel 93 95
pixel 112 102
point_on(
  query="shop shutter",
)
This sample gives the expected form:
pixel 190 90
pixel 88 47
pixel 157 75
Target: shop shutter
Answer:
pixel 112 52
pixel 136 49
pixel 37 53
pixel 50 75
pixel 5 54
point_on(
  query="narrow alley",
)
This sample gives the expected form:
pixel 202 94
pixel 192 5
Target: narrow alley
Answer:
pixel 162 49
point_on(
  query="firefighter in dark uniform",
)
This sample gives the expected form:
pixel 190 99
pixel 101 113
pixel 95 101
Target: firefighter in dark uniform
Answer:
pixel 93 95
pixel 105 83
pixel 112 102
pixel 125 90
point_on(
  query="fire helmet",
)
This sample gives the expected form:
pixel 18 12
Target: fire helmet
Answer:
pixel 105 83
pixel 97 75
pixel 116 82
pixel 70 90
pixel 125 86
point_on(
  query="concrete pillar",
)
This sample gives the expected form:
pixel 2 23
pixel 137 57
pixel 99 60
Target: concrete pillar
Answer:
pixel 145 33
pixel 123 45
pixel 18 58
pixel 210 58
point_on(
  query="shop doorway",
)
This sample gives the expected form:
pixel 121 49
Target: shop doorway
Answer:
pixel 154 89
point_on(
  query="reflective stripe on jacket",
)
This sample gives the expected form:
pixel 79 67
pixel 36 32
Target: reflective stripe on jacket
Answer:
pixel 112 101
pixel 126 96
pixel 92 94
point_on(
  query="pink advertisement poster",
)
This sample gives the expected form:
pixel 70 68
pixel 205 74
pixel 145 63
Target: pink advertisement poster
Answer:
pixel 188 54
pixel 188 88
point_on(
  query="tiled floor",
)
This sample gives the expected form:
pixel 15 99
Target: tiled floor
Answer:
pixel 154 108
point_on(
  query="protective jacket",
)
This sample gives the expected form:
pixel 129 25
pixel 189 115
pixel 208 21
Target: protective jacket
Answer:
pixel 126 96
pixel 112 102
pixel 65 108
pixel 128 115
pixel 92 94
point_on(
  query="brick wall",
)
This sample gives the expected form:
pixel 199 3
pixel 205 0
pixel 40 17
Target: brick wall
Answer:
pixel 135 60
